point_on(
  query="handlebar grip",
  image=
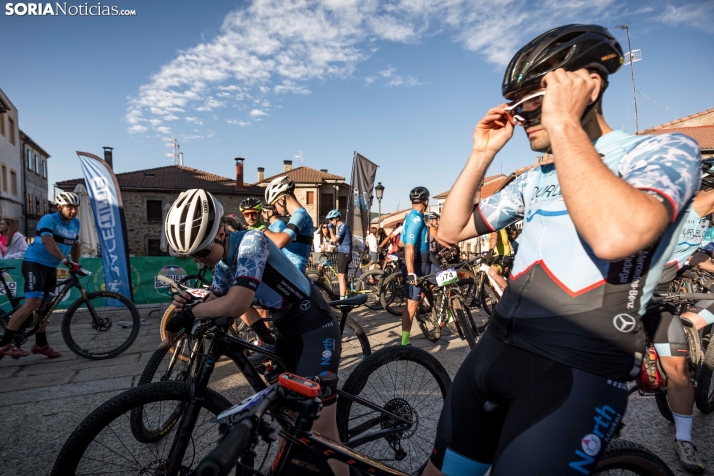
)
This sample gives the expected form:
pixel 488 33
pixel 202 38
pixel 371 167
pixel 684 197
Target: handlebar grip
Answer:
pixel 697 296
pixel 222 459
pixel 328 380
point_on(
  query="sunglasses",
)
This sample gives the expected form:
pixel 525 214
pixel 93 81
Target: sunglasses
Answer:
pixel 527 108
pixel 250 214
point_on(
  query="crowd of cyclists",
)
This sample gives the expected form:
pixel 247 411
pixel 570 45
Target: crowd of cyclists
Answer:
pixel 587 239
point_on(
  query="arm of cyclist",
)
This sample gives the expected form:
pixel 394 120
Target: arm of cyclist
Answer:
pixel 703 203
pixel 52 248
pixel 634 219
pixel 281 239
pixel 409 260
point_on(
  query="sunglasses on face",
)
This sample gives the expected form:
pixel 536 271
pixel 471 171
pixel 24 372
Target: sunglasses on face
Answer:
pixel 527 108
pixel 250 214
pixel 202 253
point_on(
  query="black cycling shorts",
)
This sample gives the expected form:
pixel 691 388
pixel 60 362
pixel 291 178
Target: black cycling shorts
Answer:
pixel 343 262
pixel 705 309
pixel 312 354
pixel 39 279
pixel 666 332
pixel 524 414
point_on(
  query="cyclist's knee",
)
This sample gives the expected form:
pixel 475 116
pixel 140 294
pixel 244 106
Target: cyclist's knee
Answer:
pixel 32 303
pixel 676 368
pixel 494 271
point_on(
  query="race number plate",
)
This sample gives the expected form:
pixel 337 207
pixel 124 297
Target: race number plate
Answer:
pixel 244 405
pixel 447 276
pixel 392 257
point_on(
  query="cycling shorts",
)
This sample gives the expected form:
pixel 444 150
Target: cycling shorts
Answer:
pixel 705 309
pixel 524 414
pixel 666 332
pixel 39 279
pixel 413 291
pixel 343 262
pixel 313 353
pixel 373 257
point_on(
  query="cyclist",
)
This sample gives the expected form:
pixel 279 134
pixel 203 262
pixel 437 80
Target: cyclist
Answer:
pixel 438 249
pixel 57 234
pixel 341 235
pixel 542 392
pixel 295 238
pixel 392 242
pixel 249 266
pixel 251 208
pixel 416 257
pixel 499 255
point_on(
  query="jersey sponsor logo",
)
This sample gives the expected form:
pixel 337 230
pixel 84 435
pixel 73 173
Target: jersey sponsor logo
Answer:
pixel 31 281
pixel 634 268
pixel 329 346
pixel 606 423
pixel 549 191
pixel 305 305
pixel 624 323
pixel 416 220
pixel 620 385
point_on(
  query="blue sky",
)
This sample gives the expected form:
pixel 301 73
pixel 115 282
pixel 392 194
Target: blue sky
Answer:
pixel 402 82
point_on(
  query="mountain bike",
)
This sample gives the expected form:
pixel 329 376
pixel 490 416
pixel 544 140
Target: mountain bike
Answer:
pixel 386 408
pixel 201 279
pixel 98 325
pixel 325 277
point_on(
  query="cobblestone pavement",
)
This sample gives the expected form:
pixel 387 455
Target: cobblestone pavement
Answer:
pixel 42 400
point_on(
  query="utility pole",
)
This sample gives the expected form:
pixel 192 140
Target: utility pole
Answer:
pixel 631 57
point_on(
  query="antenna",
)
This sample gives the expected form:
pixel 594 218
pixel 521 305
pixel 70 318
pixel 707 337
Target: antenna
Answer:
pixel 301 157
pixel 631 57
pixel 177 157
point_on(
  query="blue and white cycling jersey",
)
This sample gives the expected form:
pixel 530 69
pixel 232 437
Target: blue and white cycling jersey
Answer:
pixel 64 234
pixel 344 238
pixel 690 238
pixel 565 303
pixel 253 261
pixel 416 233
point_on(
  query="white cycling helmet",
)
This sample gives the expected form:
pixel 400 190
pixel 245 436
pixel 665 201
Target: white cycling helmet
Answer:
pixel 278 187
pixel 67 198
pixel 193 221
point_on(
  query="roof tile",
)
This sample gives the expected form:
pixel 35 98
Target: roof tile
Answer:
pixel 303 174
pixel 704 135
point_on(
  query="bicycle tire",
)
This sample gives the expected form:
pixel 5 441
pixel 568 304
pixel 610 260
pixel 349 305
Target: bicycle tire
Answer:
pixel 489 298
pixel 426 316
pixel 404 380
pixel 663 406
pixel 373 301
pixel 109 415
pixel 123 343
pixel 195 281
pixel 704 393
pixel 392 295
pixel 463 319
pixel 626 455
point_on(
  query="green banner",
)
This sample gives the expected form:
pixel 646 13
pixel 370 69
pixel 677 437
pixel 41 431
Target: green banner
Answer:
pixel 144 270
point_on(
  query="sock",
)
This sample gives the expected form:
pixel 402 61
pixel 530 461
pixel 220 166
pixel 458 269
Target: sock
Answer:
pixel 7 337
pixel 406 340
pixel 683 425
pixel 41 339
pixel 263 332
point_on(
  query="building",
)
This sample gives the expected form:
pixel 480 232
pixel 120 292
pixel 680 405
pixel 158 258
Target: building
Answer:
pixel 11 199
pixel 148 193
pixel 317 190
pixel 699 126
pixel 34 173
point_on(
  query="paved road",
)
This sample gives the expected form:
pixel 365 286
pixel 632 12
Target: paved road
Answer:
pixel 42 400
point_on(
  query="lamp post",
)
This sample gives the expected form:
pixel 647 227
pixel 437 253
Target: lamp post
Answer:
pixel 379 190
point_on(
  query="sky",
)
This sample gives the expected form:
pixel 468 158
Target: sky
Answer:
pixel 401 82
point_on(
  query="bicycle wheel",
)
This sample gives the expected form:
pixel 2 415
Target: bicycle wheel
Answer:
pixel 94 330
pixel 162 366
pixel 392 295
pixel 463 320
pixel 427 318
pixel 195 281
pixel 489 298
pixel 371 282
pixel 355 345
pixel 625 457
pixel 663 406
pixel 104 443
pixel 407 382
pixel 704 393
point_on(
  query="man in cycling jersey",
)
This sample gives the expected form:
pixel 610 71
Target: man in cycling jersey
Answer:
pixel 499 254
pixel 249 266
pixel 251 208
pixel 296 238
pixel 542 392
pixel 416 257
pixel 57 235
pixel 341 235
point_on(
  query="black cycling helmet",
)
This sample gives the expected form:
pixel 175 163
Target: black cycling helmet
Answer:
pixel 419 194
pixel 251 203
pixel 571 47
pixel 707 174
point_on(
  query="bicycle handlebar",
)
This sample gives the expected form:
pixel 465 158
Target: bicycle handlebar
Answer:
pixel 685 297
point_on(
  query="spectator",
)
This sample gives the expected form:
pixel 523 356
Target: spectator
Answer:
pixel 373 248
pixel 381 235
pixel 14 243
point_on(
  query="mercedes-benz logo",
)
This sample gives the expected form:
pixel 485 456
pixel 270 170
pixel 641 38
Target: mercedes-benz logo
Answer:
pixel 624 322
pixel 305 305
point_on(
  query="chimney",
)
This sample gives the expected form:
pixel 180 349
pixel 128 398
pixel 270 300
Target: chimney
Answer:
pixel 261 174
pixel 323 170
pixel 108 157
pixel 287 165
pixel 239 174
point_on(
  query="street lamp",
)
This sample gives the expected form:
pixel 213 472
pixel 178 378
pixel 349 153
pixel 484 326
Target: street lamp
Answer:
pixel 379 190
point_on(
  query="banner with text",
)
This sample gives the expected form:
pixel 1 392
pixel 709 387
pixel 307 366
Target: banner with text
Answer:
pixel 363 174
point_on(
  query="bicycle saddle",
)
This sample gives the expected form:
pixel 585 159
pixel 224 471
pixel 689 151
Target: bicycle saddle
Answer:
pixel 353 301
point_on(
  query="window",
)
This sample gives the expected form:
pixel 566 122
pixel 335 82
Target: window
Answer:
pixel 11 130
pixel 327 203
pixel 30 203
pixel 4 178
pixel 154 247
pixel 38 210
pixel 29 159
pixel 153 211
pixel 44 169
pixel 343 203
pixel 13 182
pixel 44 207
pixel 2 123
pixel 37 164
pixel 310 198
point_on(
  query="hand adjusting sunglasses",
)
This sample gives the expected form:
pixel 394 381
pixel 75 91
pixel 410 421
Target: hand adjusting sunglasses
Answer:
pixel 527 108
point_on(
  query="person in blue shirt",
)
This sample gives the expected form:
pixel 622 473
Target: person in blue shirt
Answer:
pixel 341 235
pixel 57 235
pixel 296 238
pixel 415 237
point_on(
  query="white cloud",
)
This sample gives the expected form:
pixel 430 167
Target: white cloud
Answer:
pixel 288 86
pixel 258 113
pixel 163 129
pixel 387 72
pixel 194 120
pixel 137 129
pixel 369 80
pixel 239 123
pixel 699 15
pixel 171 117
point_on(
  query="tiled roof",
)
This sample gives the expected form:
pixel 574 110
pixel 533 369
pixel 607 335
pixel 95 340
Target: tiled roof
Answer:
pixel 677 121
pixel 486 181
pixel 704 135
pixel 173 177
pixel 303 174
